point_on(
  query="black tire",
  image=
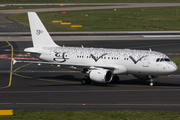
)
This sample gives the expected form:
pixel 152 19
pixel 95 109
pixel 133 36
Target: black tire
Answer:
pixel 85 81
pixel 115 79
pixel 88 81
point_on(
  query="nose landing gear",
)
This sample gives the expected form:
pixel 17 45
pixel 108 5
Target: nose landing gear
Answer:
pixel 151 81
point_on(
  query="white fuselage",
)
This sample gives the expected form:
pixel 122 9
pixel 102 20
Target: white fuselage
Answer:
pixel 124 61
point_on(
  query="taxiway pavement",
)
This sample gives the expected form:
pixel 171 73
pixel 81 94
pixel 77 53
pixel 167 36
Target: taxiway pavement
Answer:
pixel 33 87
pixel 46 87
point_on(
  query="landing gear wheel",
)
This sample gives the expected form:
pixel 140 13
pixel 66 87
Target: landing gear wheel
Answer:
pixel 85 81
pixel 151 81
pixel 88 81
pixel 115 79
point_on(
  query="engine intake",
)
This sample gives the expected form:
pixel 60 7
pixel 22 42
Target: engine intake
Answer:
pixel 101 76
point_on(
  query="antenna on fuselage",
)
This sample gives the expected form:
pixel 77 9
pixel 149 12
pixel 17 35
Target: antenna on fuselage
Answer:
pixel 82 46
pixel 150 49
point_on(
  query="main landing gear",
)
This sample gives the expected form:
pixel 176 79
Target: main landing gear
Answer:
pixel 115 79
pixel 86 81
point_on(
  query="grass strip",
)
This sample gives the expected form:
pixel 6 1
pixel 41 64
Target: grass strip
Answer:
pixel 133 19
pixel 86 1
pixel 92 115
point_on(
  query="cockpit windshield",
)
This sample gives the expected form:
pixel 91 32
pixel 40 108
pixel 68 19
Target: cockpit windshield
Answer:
pixel 163 59
pixel 166 59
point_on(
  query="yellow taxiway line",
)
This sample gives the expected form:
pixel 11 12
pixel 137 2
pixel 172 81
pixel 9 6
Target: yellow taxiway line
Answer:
pixel 22 67
pixel 11 70
pixel 4 46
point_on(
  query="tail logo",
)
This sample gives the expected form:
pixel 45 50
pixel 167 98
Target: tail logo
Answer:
pixel 60 58
pixel 38 32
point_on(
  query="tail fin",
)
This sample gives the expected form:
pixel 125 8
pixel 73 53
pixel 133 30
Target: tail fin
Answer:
pixel 40 36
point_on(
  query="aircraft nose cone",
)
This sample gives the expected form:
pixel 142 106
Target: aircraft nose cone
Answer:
pixel 174 68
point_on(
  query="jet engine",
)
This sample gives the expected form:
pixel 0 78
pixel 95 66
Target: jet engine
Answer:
pixel 101 75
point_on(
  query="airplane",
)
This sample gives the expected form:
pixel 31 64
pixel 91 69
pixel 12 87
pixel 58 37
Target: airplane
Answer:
pixel 99 64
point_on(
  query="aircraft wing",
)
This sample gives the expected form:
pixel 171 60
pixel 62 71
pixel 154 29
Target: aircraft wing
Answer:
pixel 87 66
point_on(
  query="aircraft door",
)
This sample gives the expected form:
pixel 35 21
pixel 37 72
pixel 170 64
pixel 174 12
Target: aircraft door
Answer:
pixel 145 62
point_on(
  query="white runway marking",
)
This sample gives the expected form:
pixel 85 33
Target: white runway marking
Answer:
pixel 152 36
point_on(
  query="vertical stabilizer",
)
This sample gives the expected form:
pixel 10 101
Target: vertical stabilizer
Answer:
pixel 40 36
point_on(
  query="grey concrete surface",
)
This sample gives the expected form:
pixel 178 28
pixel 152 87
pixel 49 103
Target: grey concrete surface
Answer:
pixel 47 87
pixel 50 88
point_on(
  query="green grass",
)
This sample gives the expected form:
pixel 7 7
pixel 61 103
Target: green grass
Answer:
pixel 177 61
pixel 86 1
pixel 92 115
pixel 134 19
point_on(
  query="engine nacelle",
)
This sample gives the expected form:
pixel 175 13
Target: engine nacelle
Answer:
pixel 101 76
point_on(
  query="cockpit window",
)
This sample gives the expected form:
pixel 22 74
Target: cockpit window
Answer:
pixel 166 59
pixel 158 60
pixel 163 59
